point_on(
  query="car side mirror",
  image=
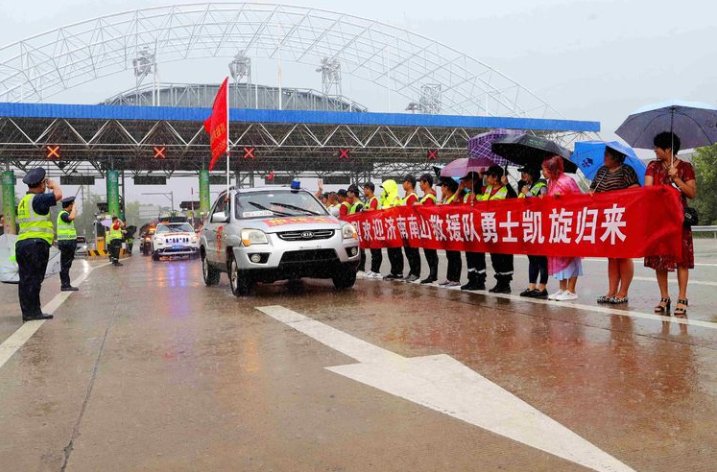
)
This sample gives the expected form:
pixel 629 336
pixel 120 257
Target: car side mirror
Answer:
pixel 220 217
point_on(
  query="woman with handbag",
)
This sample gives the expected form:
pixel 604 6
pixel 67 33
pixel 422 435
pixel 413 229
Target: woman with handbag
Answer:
pixel 668 169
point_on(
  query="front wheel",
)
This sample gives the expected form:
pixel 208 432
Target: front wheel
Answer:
pixel 209 273
pixel 241 284
pixel 344 279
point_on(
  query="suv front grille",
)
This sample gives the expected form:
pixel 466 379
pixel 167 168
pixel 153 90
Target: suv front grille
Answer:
pixel 306 235
pixel 311 255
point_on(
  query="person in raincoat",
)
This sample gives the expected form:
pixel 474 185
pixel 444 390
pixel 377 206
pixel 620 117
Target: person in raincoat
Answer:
pixel 390 199
pixel 565 269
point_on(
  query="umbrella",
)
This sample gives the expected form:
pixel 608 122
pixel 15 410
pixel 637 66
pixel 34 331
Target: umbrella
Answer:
pixel 529 150
pixel 464 165
pixel 480 145
pixel 589 155
pixel 695 124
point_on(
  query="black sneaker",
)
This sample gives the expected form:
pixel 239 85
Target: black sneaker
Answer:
pixel 528 292
pixel 393 277
pixel 541 295
pixel 428 280
pixel 69 289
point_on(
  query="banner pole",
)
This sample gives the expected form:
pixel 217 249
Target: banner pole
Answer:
pixel 228 141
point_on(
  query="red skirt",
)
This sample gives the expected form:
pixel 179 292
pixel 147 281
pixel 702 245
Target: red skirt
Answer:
pixel 670 263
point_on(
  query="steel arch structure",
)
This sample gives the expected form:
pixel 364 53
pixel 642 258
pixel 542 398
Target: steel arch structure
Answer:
pixel 405 63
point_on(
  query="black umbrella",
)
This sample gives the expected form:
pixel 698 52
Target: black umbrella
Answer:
pixel 529 150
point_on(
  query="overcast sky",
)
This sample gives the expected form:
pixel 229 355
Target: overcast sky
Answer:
pixel 589 59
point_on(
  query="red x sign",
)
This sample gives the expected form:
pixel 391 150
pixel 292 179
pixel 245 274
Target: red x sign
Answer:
pixel 344 153
pixel 432 154
pixel 53 152
pixel 160 152
pixel 249 153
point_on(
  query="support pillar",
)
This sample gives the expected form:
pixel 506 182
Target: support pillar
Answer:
pixel 9 205
pixel 113 206
pixel 204 196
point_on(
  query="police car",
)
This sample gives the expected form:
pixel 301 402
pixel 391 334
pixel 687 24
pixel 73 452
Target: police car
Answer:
pixel 270 234
pixel 173 240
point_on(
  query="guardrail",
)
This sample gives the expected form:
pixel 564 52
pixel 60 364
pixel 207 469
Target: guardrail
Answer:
pixel 705 229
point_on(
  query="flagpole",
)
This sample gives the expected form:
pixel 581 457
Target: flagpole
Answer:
pixel 228 142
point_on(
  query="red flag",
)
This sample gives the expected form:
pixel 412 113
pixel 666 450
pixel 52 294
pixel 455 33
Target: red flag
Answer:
pixel 217 125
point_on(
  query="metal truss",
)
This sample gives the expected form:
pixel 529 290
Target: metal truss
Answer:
pixel 293 148
pixel 40 67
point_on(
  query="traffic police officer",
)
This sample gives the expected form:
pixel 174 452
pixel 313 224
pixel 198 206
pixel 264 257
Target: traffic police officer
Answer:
pixel 67 241
pixel 32 249
pixel 502 263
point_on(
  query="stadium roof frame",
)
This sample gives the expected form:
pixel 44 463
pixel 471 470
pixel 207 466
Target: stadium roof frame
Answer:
pixel 42 66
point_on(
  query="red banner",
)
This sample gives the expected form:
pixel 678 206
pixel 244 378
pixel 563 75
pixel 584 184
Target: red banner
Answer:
pixel 623 224
pixel 217 125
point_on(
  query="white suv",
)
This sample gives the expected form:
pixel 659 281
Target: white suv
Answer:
pixel 174 239
pixel 265 235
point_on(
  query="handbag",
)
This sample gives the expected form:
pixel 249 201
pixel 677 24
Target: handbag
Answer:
pixel 691 217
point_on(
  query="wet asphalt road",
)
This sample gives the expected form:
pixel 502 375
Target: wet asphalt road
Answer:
pixel 147 369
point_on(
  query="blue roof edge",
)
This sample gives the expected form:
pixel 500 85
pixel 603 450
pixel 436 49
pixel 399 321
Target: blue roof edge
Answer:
pixel 145 113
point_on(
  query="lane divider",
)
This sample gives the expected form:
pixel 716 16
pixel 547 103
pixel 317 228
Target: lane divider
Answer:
pixel 17 339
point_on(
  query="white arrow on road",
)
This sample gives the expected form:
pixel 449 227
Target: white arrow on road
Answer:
pixel 445 385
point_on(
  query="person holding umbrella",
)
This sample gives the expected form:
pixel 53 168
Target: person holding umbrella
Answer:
pixel 668 169
pixel 565 269
pixel 502 263
pixel 533 186
pixel 668 127
pixel 615 174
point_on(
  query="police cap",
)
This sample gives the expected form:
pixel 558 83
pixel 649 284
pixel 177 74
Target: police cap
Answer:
pixel 34 177
pixel 67 201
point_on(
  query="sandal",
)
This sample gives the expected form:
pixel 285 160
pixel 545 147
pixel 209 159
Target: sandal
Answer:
pixel 604 299
pixel 663 309
pixel 681 310
pixel 619 300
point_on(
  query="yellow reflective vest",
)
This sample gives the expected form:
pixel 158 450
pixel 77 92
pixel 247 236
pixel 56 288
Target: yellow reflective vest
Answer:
pixel 32 225
pixel 65 231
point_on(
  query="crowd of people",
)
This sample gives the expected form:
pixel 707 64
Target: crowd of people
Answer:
pixel 546 178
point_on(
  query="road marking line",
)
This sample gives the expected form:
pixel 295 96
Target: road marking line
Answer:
pixel 17 339
pixel 445 385
pixel 578 306
pixel 604 259
pixel 674 280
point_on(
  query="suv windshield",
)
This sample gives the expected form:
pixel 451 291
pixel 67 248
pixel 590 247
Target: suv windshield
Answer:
pixel 277 203
pixel 176 228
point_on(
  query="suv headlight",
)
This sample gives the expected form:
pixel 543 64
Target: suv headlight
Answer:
pixel 349 232
pixel 251 237
pixel 159 241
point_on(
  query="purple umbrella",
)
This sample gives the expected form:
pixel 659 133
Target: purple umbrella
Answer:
pixel 464 165
pixel 480 145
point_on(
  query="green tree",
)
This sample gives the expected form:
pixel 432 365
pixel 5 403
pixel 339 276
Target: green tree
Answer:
pixel 705 163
